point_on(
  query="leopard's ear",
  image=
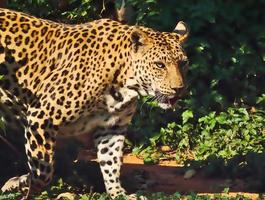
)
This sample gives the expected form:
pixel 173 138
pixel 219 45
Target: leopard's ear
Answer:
pixel 139 39
pixel 182 31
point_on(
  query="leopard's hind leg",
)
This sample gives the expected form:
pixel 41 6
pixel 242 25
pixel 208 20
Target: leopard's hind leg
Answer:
pixel 40 144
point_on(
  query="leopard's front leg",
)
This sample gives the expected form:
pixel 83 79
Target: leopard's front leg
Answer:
pixel 109 145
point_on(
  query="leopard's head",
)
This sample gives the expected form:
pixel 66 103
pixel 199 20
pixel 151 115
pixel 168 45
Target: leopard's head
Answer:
pixel 158 63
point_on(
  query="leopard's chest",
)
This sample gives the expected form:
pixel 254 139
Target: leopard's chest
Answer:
pixel 116 112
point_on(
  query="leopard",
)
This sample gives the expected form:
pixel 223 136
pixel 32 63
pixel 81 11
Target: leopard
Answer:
pixel 63 80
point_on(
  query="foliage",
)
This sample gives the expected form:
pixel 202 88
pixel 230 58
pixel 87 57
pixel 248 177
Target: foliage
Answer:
pixel 230 133
pixel 235 131
pixel 82 12
pixel 70 11
pixel 11 196
pixel 41 8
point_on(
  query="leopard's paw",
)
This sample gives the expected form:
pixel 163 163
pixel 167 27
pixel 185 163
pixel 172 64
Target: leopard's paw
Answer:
pixel 19 183
pixel 11 185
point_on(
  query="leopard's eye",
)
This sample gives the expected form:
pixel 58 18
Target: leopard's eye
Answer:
pixel 160 65
pixel 183 63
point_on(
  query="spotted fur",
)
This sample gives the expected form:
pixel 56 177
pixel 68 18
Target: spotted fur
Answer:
pixel 74 79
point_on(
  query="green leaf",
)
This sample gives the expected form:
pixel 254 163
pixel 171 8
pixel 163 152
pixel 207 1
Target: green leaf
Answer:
pixel 84 197
pixel 222 118
pixel 186 115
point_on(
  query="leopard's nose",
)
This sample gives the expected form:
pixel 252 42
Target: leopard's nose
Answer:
pixel 178 90
pixel 175 89
pixel 179 87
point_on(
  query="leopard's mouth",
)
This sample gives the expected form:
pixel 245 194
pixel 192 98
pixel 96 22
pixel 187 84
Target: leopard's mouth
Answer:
pixel 165 101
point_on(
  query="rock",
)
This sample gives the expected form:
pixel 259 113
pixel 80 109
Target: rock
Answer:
pixel 165 148
pixel 189 173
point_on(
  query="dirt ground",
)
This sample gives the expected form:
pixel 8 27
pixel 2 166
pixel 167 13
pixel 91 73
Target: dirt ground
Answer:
pixel 168 177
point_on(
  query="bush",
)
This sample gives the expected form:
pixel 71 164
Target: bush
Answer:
pixel 235 131
pixel 229 133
